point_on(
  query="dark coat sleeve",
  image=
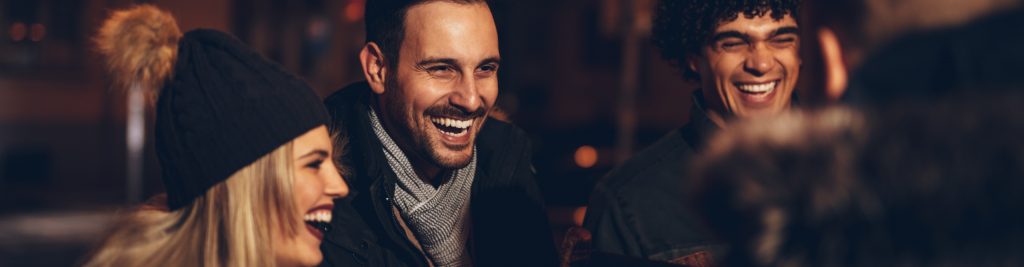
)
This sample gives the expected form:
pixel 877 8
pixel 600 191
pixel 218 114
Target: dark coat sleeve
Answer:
pixel 639 209
pixel 510 225
pixel 606 222
pixel 351 242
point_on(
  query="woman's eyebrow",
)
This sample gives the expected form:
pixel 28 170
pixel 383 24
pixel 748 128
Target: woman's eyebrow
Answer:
pixel 316 152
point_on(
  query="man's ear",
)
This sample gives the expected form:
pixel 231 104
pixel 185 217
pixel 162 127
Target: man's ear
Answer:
pixel 372 60
pixel 836 74
pixel 691 63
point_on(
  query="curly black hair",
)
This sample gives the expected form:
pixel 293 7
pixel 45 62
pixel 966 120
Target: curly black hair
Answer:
pixel 682 27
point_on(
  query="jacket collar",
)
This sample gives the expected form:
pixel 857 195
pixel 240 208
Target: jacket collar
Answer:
pixel 364 149
pixel 700 128
pixel 372 181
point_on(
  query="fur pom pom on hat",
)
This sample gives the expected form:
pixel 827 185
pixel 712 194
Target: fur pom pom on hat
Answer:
pixel 220 105
pixel 140 45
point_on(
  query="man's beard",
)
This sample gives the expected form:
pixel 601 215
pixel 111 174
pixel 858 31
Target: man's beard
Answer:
pixel 417 139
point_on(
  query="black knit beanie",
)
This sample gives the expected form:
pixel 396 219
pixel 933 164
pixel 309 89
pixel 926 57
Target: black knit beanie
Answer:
pixel 225 107
pixel 220 105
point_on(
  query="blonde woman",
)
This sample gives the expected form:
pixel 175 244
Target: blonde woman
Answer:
pixel 245 153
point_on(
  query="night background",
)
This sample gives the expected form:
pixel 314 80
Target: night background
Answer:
pixel 579 76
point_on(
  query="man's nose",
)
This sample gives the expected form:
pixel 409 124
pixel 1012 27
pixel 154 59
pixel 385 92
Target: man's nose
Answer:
pixel 760 60
pixel 466 95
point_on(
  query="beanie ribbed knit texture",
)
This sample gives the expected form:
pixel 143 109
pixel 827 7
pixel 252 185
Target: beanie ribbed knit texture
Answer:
pixel 225 107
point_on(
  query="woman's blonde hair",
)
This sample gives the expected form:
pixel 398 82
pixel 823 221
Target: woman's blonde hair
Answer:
pixel 232 224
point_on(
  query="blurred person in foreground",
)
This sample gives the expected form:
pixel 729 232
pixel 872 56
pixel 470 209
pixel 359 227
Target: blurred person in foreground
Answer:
pixel 920 184
pixel 244 150
pixel 926 172
pixel 880 51
pixel 745 56
pixel 437 181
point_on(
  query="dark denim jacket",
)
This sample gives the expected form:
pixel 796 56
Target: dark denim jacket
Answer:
pixel 639 209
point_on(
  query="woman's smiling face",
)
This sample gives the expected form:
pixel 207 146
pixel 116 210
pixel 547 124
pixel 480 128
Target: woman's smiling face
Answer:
pixel 315 185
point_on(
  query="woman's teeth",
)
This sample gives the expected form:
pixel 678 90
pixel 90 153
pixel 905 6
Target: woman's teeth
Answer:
pixel 452 127
pixel 319 219
pixel 318 216
pixel 757 88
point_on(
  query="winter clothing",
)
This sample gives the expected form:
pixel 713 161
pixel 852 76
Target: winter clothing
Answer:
pixel 225 107
pixel 639 209
pixel 439 216
pixel 508 226
pixel 220 105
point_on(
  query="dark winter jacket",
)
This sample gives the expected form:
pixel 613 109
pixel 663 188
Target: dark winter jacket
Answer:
pixel 639 209
pixel 509 226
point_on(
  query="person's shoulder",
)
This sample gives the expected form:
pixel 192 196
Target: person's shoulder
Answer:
pixel 632 202
pixel 348 95
pixel 504 149
pixel 347 104
pixel 496 132
pixel 662 160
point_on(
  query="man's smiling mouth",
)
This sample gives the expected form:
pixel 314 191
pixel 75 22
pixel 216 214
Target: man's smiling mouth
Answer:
pixel 451 127
pixel 757 88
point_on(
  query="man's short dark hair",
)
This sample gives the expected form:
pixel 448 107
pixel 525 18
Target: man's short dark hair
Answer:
pixel 682 27
pixel 385 23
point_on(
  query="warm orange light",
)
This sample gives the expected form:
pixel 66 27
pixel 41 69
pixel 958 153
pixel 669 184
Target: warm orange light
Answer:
pixel 586 156
pixel 578 214
pixel 354 10
pixel 18 31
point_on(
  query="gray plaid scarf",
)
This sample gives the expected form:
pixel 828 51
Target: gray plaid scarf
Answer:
pixel 438 216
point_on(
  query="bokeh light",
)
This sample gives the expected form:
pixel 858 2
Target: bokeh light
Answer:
pixel 18 31
pixel 586 156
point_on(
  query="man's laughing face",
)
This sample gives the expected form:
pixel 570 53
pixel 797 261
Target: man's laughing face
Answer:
pixel 750 66
pixel 445 81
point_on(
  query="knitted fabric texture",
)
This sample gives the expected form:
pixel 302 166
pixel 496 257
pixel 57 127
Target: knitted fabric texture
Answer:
pixel 438 217
pixel 225 107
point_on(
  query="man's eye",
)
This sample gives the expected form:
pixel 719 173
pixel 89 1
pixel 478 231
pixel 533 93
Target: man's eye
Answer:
pixel 442 71
pixel 487 70
pixel 733 45
pixel 783 41
pixel 438 69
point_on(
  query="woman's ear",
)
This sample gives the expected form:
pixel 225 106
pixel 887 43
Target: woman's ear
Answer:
pixel 836 75
pixel 372 60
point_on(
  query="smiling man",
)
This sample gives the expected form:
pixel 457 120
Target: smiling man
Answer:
pixel 745 56
pixel 749 66
pixel 436 182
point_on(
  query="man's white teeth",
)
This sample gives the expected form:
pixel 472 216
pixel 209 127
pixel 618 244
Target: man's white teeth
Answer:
pixel 757 88
pixel 318 216
pixel 461 125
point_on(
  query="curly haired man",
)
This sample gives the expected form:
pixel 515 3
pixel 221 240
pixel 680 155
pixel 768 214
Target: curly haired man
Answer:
pixel 744 54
